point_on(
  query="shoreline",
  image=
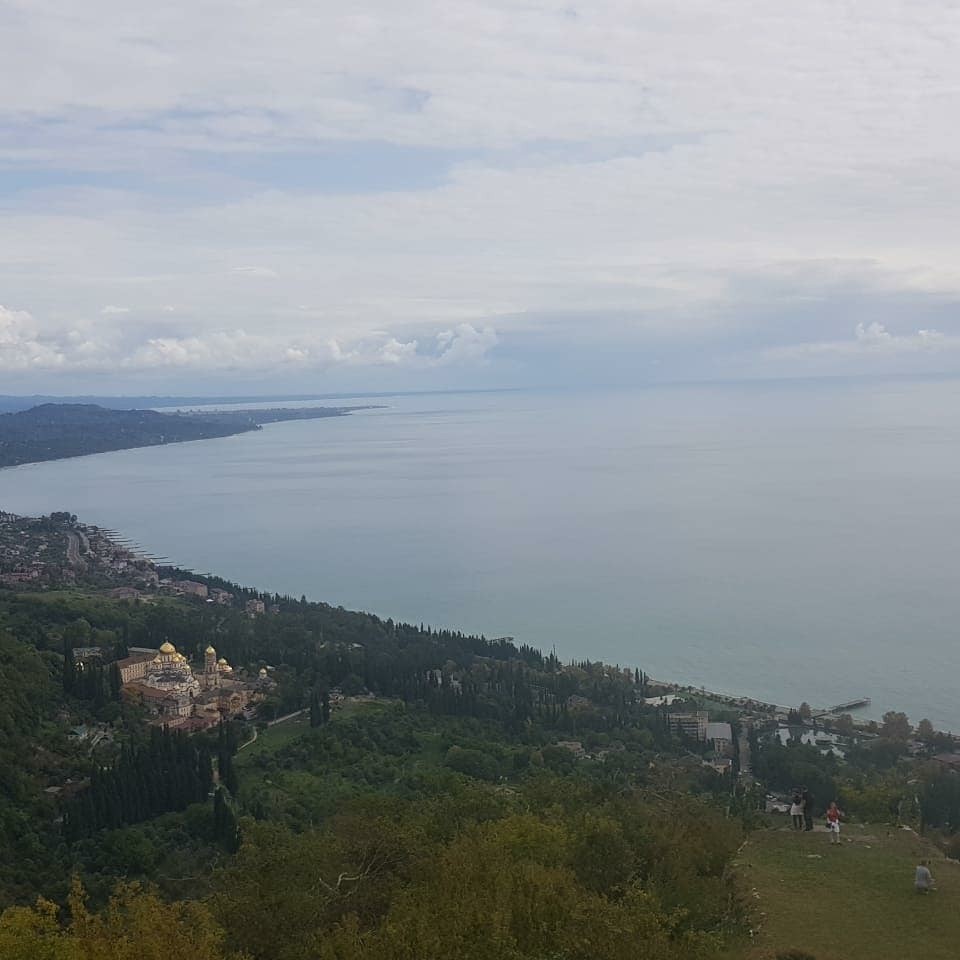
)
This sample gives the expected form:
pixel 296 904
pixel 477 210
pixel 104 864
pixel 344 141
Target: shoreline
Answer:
pixel 279 415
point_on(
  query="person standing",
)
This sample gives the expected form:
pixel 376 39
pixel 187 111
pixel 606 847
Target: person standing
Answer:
pixel 796 810
pixel 833 821
pixel 806 798
pixel 924 879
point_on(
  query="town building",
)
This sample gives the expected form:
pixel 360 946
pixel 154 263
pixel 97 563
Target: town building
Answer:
pixel 191 588
pixel 87 654
pixel 255 607
pixel 134 666
pixel 124 593
pixel 720 737
pixel 164 682
pixel 693 725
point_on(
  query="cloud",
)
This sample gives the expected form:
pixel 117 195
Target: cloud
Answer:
pixel 465 344
pixel 263 273
pixel 23 348
pixel 645 168
pixel 871 339
pixel 110 310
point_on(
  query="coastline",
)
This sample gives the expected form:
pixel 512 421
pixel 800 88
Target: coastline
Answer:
pixel 246 421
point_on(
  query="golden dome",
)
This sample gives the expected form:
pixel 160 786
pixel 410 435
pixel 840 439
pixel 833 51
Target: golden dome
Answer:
pixel 167 647
pixel 209 650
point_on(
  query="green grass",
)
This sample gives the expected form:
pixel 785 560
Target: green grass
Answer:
pixel 273 738
pixel 855 901
pixel 279 735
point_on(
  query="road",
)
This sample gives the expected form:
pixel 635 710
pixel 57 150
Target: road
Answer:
pixel 289 716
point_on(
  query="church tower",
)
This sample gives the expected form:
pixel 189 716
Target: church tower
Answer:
pixel 211 675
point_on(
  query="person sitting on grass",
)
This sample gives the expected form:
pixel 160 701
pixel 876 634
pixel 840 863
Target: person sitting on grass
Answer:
pixel 833 821
pixel 924 881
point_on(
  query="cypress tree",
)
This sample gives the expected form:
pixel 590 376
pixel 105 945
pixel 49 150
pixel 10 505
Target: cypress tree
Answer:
pixel 115 683
pixel 219 811
pixel 228 776
pixel 205 770
pixel 69 668
pixel 96 679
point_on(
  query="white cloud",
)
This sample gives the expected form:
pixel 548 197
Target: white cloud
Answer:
pixel 262 273
pixel 647 167
pixel 111 311
pixel 465 344
pixel 870 340
pixel 23 348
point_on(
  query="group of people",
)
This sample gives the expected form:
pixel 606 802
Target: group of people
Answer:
pixel 801 813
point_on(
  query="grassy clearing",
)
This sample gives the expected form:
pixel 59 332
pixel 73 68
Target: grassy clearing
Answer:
pixel 279 735
pixel 273 738
pixel 852 902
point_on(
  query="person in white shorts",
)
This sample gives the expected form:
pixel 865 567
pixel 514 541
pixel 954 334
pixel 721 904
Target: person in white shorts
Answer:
pixel 833 821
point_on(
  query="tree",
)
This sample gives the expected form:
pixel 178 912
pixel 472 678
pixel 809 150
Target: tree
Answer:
pixel 69 668
pixel 896 726
pixel 205 770
pixel 228 775
pixel 844 725
pixel 805 711
pixel 925 730
pixel 134 924
pixel 115 681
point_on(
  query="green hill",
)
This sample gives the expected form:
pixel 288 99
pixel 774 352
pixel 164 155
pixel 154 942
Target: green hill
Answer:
pixel 851 902
pixel 53 431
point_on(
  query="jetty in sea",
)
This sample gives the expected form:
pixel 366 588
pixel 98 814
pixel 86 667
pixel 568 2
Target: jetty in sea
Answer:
pixel 845 707
pixel 755 704
pixel 852 705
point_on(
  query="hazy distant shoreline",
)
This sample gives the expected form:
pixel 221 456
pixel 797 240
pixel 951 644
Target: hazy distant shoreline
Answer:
pixel 67 431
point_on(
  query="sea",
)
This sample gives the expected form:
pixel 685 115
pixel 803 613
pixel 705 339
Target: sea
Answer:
pixel 788 541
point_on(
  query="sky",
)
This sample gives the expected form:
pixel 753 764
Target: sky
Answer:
pixel 318 196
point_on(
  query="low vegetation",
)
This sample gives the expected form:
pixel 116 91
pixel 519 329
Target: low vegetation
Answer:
pixel 430 795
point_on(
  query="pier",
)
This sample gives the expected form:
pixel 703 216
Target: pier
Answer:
pixel 842 707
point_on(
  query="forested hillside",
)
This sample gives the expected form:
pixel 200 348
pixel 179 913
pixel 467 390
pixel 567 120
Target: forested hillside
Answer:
pixel 53 431
pixel 441 776
pixel 426 794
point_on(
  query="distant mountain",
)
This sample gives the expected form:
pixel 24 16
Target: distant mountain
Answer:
pixel 53 431
pixel 11 404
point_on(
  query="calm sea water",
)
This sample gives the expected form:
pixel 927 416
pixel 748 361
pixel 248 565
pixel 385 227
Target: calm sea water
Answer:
pixel 789 542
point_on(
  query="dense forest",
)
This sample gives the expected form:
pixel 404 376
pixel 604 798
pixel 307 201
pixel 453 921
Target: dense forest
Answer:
pixel 440 795
pixel 52 431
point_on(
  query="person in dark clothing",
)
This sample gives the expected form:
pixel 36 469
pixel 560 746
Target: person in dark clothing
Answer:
pixel 807 798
